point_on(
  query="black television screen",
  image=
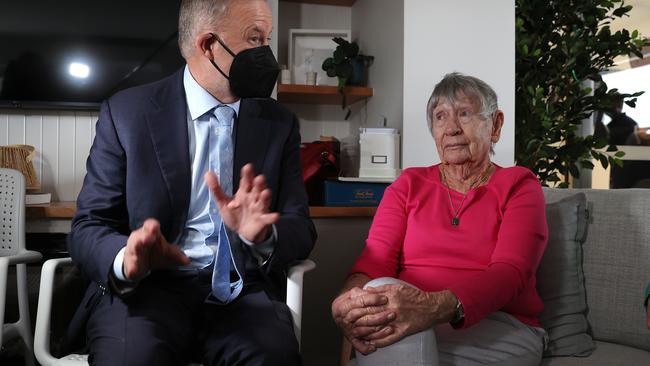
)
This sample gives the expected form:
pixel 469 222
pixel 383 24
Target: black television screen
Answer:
pixel 76 53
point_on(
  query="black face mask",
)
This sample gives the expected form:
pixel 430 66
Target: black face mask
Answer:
pixel 253 72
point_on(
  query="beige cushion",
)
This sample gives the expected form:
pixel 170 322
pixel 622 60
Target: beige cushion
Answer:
pixel 616 263
pixel 560 279
pixel 606 354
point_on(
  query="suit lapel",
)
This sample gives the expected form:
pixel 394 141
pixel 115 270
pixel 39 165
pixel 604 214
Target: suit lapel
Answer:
pixel 251 139
pixel 251 143
pixel 168 129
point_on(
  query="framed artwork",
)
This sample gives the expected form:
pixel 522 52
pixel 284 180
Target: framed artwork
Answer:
pixel 308 48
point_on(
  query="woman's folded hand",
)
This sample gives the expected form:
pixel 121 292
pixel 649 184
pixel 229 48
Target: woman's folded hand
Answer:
pixel 413 310
pixel 359 314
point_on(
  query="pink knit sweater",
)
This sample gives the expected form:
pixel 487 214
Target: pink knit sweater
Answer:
pixel 488 261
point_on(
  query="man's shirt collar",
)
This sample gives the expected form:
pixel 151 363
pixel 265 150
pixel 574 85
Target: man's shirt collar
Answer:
pixel 199 101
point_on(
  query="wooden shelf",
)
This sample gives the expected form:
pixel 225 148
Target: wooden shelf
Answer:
pixel 66 210
pixel 321 94
pixel 324 2
pixel 53 210
pixel 323 211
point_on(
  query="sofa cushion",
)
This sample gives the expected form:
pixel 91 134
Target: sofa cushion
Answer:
pixel 606 354
pixel 616 262
pixel 560 279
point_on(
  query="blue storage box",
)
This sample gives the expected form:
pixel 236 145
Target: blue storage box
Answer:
pixel 338 193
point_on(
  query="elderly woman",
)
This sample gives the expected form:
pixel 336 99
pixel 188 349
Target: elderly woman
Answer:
pixel 448 272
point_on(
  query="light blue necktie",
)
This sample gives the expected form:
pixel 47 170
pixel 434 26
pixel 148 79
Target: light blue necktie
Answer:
pixel 221 162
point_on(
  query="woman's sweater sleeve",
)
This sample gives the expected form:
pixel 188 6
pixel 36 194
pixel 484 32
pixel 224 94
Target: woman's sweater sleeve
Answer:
pixel 381 254
pixel 521 242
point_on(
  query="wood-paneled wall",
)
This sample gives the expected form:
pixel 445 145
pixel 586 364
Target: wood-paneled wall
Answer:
pixel 62 140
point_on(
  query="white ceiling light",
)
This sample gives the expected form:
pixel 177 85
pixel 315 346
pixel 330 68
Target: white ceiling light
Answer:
pixel 79 70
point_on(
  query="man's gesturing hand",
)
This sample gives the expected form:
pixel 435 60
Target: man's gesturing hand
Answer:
pixel 147 249
pixel 247 212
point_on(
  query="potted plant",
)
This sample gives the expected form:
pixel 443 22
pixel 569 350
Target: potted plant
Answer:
pixel 347 65
pixel 561 49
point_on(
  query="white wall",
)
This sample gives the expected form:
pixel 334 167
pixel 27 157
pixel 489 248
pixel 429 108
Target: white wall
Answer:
pixel 62 140
pixel 315 120
pixel 472 37
pixel 378 27
pixel 310 16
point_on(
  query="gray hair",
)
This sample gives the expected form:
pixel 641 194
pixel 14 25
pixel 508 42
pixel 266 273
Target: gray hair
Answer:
pixel 475 89
pixel 196 15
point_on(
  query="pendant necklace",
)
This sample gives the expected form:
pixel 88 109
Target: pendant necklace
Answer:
pixel 455 221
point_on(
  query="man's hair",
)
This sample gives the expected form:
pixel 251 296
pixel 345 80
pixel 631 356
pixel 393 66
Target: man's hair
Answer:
pixel 195 16
pixel 477 90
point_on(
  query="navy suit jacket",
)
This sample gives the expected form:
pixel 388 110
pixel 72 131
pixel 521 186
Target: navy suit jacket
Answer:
pixel 139 168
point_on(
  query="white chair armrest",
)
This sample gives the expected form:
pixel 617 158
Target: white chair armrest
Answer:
pixel 294 292
pixel 24 256
pixel 43 316
pixel 4 269
pixel 44 312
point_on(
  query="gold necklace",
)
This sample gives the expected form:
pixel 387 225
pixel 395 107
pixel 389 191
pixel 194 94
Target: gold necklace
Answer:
pixel 481 179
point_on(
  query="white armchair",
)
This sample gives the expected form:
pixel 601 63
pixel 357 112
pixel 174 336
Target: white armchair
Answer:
pixel 43 316
pixel 13 252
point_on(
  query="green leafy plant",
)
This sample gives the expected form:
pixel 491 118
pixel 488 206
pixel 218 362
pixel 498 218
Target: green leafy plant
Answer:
pixel 561 49
pixel 342 65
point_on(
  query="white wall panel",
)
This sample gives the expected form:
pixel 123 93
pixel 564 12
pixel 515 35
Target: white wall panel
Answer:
pixel 50 153
pixel 16 131
pixel 62 140
pixel 83 139
pixel 33 137
pixel 4 129
pixel 65 187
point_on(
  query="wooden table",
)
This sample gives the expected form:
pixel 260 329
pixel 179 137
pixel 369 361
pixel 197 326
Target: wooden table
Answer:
pixel 53 210
pixel 56 216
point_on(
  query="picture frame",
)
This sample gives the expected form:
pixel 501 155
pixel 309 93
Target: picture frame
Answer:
pixel 308 48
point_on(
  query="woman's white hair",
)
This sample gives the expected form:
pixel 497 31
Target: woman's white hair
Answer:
pixel 477 90
pixel 195 16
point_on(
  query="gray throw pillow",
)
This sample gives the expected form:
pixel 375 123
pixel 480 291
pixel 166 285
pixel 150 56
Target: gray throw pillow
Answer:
pixel 560 279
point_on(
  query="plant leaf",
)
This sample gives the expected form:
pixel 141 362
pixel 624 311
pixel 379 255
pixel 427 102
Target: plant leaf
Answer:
pixel 328 64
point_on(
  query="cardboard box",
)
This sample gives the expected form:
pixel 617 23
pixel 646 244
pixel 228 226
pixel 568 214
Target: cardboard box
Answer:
pixel 344 194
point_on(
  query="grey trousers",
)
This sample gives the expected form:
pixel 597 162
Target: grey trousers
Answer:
pixel 499 339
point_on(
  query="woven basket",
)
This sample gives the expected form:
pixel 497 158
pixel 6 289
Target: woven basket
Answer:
pixel 20 157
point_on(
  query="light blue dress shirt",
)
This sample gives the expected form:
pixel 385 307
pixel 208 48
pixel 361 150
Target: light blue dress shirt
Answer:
pixel 200 105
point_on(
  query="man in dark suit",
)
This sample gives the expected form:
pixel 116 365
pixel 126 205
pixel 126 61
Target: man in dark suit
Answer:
pixel 185 266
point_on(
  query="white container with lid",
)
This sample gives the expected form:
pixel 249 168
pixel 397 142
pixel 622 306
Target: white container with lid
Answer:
pixel 379 153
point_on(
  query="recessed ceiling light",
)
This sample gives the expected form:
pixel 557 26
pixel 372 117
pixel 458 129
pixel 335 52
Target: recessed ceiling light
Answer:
pixel 79 70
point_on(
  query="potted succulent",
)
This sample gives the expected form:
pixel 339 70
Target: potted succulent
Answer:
pixel 348 65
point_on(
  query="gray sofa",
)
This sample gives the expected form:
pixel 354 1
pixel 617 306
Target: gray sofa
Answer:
pixel 616 267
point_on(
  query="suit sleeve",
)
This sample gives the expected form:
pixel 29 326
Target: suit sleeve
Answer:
pixel 296 232
pixel 100 227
